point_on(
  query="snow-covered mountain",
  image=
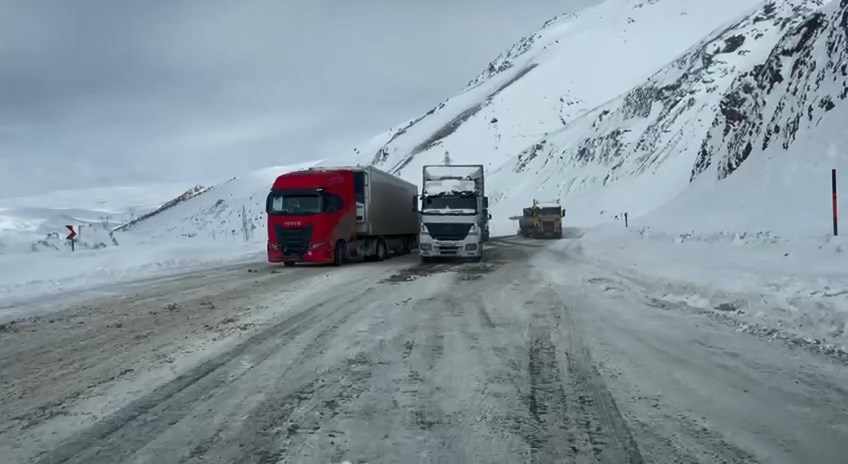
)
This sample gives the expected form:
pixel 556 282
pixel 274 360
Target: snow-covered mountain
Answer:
pixel 805 76
pixel 766 160
pixel 606 109
pixel 573 64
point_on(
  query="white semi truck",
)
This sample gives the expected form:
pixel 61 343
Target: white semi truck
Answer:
pixel 454 212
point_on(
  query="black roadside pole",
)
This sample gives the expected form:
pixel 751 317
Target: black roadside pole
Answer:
pixel 835 209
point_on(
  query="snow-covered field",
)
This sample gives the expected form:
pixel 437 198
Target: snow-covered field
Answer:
pixel 202 231
pixel 37 222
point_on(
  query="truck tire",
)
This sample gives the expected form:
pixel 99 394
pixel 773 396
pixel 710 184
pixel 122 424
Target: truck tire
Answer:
pixel 339 257
pixel 382 251
pixel 288 264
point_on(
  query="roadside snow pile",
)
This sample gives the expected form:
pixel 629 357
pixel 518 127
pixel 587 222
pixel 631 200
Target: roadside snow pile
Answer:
pixel 795 290
pixel 23 277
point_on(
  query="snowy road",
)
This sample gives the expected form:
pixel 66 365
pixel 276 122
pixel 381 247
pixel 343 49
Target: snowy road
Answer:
pixel 533 356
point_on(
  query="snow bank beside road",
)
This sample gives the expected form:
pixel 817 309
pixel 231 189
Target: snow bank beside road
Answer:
pixel 26 276
pixel 795 289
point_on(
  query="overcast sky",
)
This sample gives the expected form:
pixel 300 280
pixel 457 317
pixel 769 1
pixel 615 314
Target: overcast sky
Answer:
pixel 111 92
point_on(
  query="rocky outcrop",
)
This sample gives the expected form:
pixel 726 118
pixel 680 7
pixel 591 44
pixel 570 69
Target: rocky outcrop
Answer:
pixel 661 118
pixel 804 77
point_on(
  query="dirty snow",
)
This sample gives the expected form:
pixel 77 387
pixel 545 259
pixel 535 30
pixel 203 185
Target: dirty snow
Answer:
pixel 25 276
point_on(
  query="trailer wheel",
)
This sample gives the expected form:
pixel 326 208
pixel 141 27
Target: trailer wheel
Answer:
pixel 382 251
pixel 404 247
pixel 339 253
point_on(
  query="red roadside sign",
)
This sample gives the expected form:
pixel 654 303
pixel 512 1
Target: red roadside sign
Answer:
pixel 72 234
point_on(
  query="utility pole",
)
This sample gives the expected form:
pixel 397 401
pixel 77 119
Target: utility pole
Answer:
pixel 244 223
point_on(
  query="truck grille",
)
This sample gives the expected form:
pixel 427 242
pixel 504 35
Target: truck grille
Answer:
pixel 548 226
pixel 293 241
pixel 448 250
pixel 448 231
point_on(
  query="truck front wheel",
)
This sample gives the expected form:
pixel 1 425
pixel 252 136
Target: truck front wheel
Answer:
pixel 339 253
pixel 478 259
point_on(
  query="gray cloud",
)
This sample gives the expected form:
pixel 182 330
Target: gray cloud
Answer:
pixel 105 92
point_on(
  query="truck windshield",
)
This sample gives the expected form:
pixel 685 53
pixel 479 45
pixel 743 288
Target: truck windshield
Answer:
pixel 282 204
pixel 550 211
pixel 449 205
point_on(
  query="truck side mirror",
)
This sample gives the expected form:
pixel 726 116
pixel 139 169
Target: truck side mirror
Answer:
pixel 489 216
pixel 563 213
pixel 415 203
pixel 268 204
pixel 485 202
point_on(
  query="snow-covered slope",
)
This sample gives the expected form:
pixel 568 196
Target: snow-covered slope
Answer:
pixel 635 152
pixel 549 78
pixel 781 129
pixel 215 214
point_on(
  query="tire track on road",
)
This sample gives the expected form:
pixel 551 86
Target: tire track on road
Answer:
pixel 306 396
pixel 124 432
pixel 608 433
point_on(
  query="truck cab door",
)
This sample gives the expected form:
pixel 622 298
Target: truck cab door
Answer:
pixel 359 186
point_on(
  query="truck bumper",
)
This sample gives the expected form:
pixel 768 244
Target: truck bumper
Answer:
pixel 449 249
pixel 316 255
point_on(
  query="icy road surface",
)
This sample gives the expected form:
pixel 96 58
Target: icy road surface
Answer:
pixel 532 356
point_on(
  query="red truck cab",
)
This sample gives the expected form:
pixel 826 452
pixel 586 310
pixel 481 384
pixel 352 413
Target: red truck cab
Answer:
pixel 310 213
